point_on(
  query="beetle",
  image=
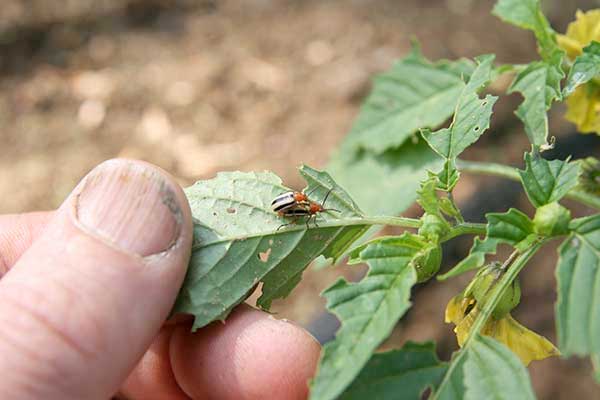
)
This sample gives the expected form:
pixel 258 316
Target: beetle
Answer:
pixel 288 200
pixel 296 205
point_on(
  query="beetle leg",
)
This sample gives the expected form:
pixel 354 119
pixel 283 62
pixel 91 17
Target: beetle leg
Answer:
pixel 308 221
pixel 289 223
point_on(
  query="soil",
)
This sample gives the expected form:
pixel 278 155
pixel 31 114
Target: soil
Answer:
pixel 202 86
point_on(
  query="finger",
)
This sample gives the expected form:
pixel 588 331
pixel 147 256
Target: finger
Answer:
pixel 17 233
pixel 251 356
pixel 80 307
pixel 153 378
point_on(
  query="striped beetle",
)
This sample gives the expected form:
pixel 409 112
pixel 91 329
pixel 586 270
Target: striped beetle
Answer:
pixel 296 205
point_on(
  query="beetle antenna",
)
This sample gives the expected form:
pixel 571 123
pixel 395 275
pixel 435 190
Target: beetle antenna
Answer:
pixel 326 196
pixel 309 193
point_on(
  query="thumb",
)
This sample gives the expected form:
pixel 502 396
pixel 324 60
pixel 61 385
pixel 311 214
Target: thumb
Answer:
pixel 82 305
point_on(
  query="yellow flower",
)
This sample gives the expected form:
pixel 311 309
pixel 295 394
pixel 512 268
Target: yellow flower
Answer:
pixel 580 33
pixel 583 105
pixel 528 345
pixel 583 108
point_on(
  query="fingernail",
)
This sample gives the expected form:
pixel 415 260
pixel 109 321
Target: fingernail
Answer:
pixel 131 205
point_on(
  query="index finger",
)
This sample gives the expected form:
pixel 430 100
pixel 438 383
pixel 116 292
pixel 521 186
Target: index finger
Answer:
pixel 17 233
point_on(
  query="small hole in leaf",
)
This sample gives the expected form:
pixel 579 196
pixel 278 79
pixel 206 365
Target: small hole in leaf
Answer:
pixel 231 210
pixel 476 128
pixel 484 103
pixel 264 255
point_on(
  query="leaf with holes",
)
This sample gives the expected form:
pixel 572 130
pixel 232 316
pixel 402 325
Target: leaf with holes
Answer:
pixel 398 374
pixel 578 276
pixel 539 84
pixel 548 181
pixel 413 94
pixel 512 227
pixel 238 243
pixel 368 310
pixel 471 119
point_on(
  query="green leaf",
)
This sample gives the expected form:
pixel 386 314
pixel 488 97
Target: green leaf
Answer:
pixel 414 94
pixel 527 14
pixel 539 84
pixel 427 197
pixel 429 201
pixel 368 310
pixel 237 243
pixel 398 374
pixel 511 227
pixel 494 372
pixel 448 177
pixel 548 181
pixel 585 68
pixel 452 386
pixel 384 184
pixel 578 277
pixel 471 119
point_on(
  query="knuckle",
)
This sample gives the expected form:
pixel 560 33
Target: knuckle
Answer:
pixel 57 317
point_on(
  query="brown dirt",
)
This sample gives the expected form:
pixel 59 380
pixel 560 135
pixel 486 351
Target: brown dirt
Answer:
pixel 202 86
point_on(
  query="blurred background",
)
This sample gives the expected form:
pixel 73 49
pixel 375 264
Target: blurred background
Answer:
pixel 198 86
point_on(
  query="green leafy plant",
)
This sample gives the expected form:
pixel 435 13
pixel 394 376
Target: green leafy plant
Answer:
pixel 396 153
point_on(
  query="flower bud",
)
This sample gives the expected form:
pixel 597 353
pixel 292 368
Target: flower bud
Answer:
pixel 551 220
pixel 483 285
pixel 428 263
pixel 589 180
pixel 433 227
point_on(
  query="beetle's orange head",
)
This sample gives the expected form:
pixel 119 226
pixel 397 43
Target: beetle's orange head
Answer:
pixel 315 208
pixel 299 197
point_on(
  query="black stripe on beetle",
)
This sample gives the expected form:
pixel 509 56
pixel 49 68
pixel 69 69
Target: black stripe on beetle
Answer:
pixel 283 201
pixel 296 212
pixel 297 204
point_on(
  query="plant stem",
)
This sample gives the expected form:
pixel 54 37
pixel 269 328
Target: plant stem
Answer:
pixel 486 168
pixel 511 273
pixel 584 198
pixel 505 171
pixel 392 221
pixel 464 228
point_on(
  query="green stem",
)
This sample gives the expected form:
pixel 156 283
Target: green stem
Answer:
pixel 511 274
pixel 392 221
pixel 464 228
pixel 584 198
pixel 486 168
pixel 505 171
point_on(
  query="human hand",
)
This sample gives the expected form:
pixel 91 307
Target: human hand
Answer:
pixel 85 291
